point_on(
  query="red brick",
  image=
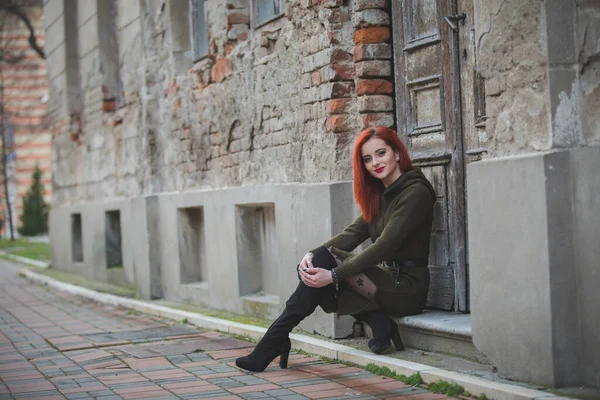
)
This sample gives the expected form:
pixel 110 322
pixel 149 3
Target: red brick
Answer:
pixel 317 388
pixel 315 78
pixel 374 86
pixel 378 34
pixel 337 106
pixel 342 72
pixel 340 56
pixel 337 123
pixel 342 89
pixel 109 105
pixel 237 18
pixel 377 119
pixel 222 69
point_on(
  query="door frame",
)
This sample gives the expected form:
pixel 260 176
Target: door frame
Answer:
pixel 454 160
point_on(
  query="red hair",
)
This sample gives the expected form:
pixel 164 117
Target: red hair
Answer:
pixel 367 188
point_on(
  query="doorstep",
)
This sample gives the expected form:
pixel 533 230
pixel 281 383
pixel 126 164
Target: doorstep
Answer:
pixel 441 332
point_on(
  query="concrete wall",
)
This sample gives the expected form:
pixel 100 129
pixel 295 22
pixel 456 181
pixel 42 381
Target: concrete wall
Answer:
pixel 93 224
pixel 534 265
pixel 157 230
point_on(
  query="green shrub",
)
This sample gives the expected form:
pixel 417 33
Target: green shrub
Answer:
pixel 34 220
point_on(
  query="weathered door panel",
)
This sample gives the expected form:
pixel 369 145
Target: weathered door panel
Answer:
pixel 429 121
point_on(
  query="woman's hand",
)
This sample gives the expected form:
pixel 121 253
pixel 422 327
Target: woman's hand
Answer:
pixel 316 277
pixel 306 261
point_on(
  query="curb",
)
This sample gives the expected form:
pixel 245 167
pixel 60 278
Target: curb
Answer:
pixel 25 260
pixel 474 385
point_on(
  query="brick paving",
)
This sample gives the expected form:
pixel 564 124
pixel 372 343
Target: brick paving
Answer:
pixel 58 346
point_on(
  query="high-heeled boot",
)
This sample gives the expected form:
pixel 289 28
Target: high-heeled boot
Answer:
pixel 276 341
pixel 384 329
pixel 301 304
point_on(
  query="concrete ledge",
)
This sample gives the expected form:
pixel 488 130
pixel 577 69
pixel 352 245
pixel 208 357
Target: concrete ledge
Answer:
pixel 27 261
pixel 476 386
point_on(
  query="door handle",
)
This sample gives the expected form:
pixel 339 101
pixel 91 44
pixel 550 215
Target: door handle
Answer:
pixel 451 19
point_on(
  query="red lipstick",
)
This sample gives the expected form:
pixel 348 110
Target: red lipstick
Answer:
pixel 378 170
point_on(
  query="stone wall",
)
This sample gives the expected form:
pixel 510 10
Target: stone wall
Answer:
pixel 540 65
pixel 275 104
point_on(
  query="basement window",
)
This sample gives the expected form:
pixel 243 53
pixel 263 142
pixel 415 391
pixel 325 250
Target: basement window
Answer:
pixel 265 11
pixel 199 31
pixel 76 238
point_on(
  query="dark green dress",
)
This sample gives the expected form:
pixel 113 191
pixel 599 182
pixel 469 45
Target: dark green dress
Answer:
pixel 401 231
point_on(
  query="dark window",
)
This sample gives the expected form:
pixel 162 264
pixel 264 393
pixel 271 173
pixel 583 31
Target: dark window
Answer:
pixel 199 31
pixel 266 10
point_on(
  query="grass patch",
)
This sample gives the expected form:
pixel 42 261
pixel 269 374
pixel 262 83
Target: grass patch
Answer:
pixel 23 248
pixel 413 380
pixel 243 319
pixel 447 388
pixel 79 280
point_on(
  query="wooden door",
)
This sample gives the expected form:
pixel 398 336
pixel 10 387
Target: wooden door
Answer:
pixel 428 100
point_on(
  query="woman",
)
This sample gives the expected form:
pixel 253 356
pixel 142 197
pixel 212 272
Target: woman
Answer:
pixel 388 278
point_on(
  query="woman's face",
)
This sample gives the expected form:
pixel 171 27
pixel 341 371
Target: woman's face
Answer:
pixel 381 160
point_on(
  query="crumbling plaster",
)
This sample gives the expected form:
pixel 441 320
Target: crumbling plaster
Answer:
pixel 241 123
pixel 512 58
pixel 540 62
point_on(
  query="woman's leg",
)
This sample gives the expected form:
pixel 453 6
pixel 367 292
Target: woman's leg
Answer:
pixel 362 285
pixel 384 329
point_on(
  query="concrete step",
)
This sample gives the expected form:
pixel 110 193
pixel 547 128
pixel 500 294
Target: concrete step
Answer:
pixel 440 332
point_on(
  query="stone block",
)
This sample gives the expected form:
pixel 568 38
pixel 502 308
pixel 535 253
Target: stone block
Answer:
pixel 360 5
pixel 377 119
pixel 375 68
pixel 374 86
pixel 372 35
pixel 370 17
pixel 375 103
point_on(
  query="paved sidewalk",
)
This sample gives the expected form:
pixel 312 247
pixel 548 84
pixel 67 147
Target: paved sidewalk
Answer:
pixel 55 346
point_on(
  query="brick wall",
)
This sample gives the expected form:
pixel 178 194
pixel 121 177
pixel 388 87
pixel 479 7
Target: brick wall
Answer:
pixel 25 99
pixel 274 104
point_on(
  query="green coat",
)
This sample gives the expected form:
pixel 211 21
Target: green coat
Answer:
pixel 401 231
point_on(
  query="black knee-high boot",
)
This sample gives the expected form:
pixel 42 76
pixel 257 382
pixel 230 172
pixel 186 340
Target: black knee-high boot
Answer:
pixel 384 329
pixel 302 303
pixel 276 341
